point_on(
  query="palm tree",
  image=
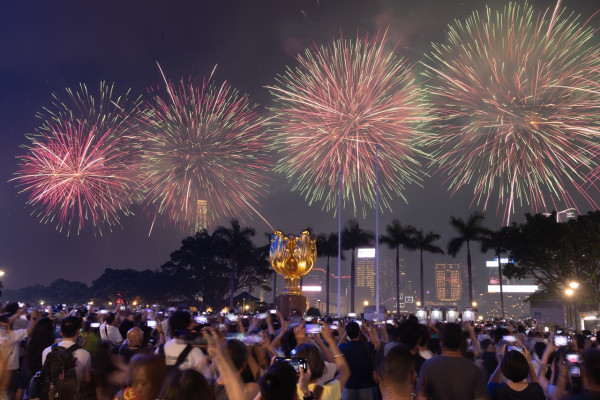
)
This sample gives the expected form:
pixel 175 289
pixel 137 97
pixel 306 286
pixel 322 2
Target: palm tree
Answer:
pixel 352 238
pixel 235 243
pixel 469 231
pixel 498 242
pixel 327 246
pixel 424 242
pixel 397 235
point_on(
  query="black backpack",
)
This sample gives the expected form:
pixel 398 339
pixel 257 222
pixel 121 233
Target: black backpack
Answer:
pixel 57 377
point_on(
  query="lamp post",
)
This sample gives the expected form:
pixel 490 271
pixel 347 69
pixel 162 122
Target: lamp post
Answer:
pixel 569 292
pixel 575 285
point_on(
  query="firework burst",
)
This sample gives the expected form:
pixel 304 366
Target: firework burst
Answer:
pixel 334 108
pixel 516 104
pixel 203 142
pixel 78 165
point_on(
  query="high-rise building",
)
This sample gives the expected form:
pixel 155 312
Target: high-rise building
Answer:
pixel 200 220
pixel 365 269
pixel 387 279
pixel 448 282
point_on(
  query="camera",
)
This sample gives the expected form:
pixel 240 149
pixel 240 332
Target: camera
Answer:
pixel 294 362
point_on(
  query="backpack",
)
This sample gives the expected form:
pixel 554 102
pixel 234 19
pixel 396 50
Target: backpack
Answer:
pixel 57 379
pixel 180 359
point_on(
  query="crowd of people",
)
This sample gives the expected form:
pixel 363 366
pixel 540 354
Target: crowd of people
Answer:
pixel 151 354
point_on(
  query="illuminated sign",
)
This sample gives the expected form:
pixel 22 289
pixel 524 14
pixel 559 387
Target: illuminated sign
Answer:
pixel 408 299
pixel 366 253
pixel 513 288
pixel 311 288
pixel 494 264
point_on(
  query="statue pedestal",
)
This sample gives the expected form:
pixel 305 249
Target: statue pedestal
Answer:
pixel 288 303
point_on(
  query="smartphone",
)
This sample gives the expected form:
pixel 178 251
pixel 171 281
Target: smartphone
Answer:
pixel 308 318
pixel 573 358
pixel 95 325
pixel 575 371
pixel 261 316
pixel 313 328
pixel 515 347
pixel 273 311
pixel 232 317
pixel 122 308
pixel 21 305
pixel 151 324
pixel 509 338
pixel 103 311
pixel 390 321
pixel 333 327
pixel 23 316
pixel 294 362
pixel 352 315
pixel 359 322
pixel 252 339
pixel 560 340
pixel 200 319
pixel 236 335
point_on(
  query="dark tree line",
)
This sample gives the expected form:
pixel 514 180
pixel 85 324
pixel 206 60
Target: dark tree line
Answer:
pixel 209 268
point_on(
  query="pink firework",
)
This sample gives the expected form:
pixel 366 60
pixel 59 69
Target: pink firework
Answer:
pixel 334 108
pixel 203 143
pixel 78 168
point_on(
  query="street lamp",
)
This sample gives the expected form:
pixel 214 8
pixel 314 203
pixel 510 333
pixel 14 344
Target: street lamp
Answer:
pixel 570 292
pixel 474 304
pixel 319 301
pixel 1 273
pixel 366 303
pixel 418 304
pixel 572 285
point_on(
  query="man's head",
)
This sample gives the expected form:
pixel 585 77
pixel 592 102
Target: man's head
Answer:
pixel 352 330
pixel 238 352
pixel 69 327
pixel 451 337
pixel 396 372
pixel 591 369
pixel 135 337
pixel 179 321
pixel 278 382
pixel 110 318
pixel 514 366
pixel 409 333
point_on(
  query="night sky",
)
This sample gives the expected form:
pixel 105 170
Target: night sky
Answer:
pixel 47 46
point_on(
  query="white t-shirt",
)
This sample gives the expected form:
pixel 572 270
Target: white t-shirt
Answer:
pixel 114 336
pixel 14 339
pixel 173 349
pixel 83 361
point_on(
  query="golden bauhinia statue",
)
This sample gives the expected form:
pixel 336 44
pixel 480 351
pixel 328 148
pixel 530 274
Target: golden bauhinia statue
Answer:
pixel 292 257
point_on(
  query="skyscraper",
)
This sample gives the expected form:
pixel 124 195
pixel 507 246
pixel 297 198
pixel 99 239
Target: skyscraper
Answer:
pixel 365 269
pixel 200 221
pixel 448 282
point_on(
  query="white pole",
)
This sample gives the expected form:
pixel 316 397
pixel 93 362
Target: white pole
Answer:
pixel 339 282
pixel 377 231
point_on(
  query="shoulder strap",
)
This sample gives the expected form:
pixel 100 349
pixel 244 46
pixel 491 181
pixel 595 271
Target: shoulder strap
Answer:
pixel 73 348
pixel 318 392
pixel 183 355
pixel 161 349
pixel 107 337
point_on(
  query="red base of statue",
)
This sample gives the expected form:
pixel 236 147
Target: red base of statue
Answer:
pixel 287 304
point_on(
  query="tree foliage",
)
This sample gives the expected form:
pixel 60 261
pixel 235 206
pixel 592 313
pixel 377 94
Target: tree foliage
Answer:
pixel 554 254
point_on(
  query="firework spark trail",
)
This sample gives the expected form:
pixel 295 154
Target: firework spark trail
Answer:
pixel 517 108
pixel 78 165
pixel 203 142
pixel 333 108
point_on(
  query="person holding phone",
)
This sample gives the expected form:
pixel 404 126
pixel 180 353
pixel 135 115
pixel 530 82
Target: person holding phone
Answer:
pixel 516 367
pixel 307 386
